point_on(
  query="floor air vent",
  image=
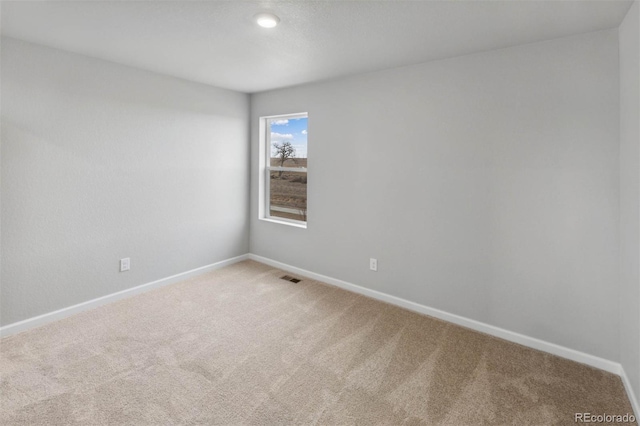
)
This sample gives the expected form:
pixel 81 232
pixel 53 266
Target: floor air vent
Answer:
pixel 290 278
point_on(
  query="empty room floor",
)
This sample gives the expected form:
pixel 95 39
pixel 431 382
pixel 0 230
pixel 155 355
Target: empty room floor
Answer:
pixel 241 346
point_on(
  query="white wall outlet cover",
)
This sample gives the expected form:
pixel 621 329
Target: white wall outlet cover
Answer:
pixel 125 264
pixel 373 264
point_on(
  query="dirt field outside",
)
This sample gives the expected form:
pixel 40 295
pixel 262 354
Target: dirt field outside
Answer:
pixel 288 190
pixel 289 162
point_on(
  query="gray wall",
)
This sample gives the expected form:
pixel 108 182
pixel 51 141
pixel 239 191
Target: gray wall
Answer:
pixel 102 161
pixel 630 197
pixel 485 185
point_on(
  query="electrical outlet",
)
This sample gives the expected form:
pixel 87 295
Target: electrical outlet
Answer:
pixel 125 264
pixel 373 264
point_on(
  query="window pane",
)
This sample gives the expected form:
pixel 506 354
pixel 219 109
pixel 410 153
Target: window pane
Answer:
pixel 288 141
pixel 288 195
pixel 289 162
pixel 287 147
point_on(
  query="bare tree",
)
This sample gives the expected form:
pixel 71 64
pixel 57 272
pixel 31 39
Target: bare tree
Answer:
pixel 283 152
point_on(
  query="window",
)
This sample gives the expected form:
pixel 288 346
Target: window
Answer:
pixel 284 165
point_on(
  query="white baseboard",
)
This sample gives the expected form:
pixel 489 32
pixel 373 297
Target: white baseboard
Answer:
pixel 632 395
pixel 27 324
pixel 532 342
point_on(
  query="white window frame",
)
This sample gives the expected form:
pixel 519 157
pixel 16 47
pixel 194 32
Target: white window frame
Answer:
pixel 264 202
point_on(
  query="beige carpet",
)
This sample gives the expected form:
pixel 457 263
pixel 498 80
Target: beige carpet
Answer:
pixel 241 346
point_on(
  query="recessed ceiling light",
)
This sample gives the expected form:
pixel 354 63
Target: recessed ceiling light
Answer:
pixel 267 20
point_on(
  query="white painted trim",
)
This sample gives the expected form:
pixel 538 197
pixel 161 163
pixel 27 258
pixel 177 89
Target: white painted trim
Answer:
pixel 27 324
pixel 284 221
pixel 552 348
pixel 292 116
pixel 532 342
pixel 630 393
pixel 265 168
pixel 287 169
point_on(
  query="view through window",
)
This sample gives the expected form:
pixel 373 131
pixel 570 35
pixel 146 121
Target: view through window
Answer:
pixel 287 167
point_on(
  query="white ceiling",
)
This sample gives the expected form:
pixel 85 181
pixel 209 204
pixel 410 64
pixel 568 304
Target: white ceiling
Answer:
pixel 217 42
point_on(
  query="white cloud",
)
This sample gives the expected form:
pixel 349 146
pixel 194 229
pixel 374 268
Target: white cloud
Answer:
pixel 304 132
pixel 280 122
pixel 301 151
pixel 275 135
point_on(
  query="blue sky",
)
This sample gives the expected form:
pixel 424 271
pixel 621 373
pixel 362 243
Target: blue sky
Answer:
pixel 291 130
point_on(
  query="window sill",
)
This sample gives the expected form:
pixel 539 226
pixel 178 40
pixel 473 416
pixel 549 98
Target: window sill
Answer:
pixel 285 222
